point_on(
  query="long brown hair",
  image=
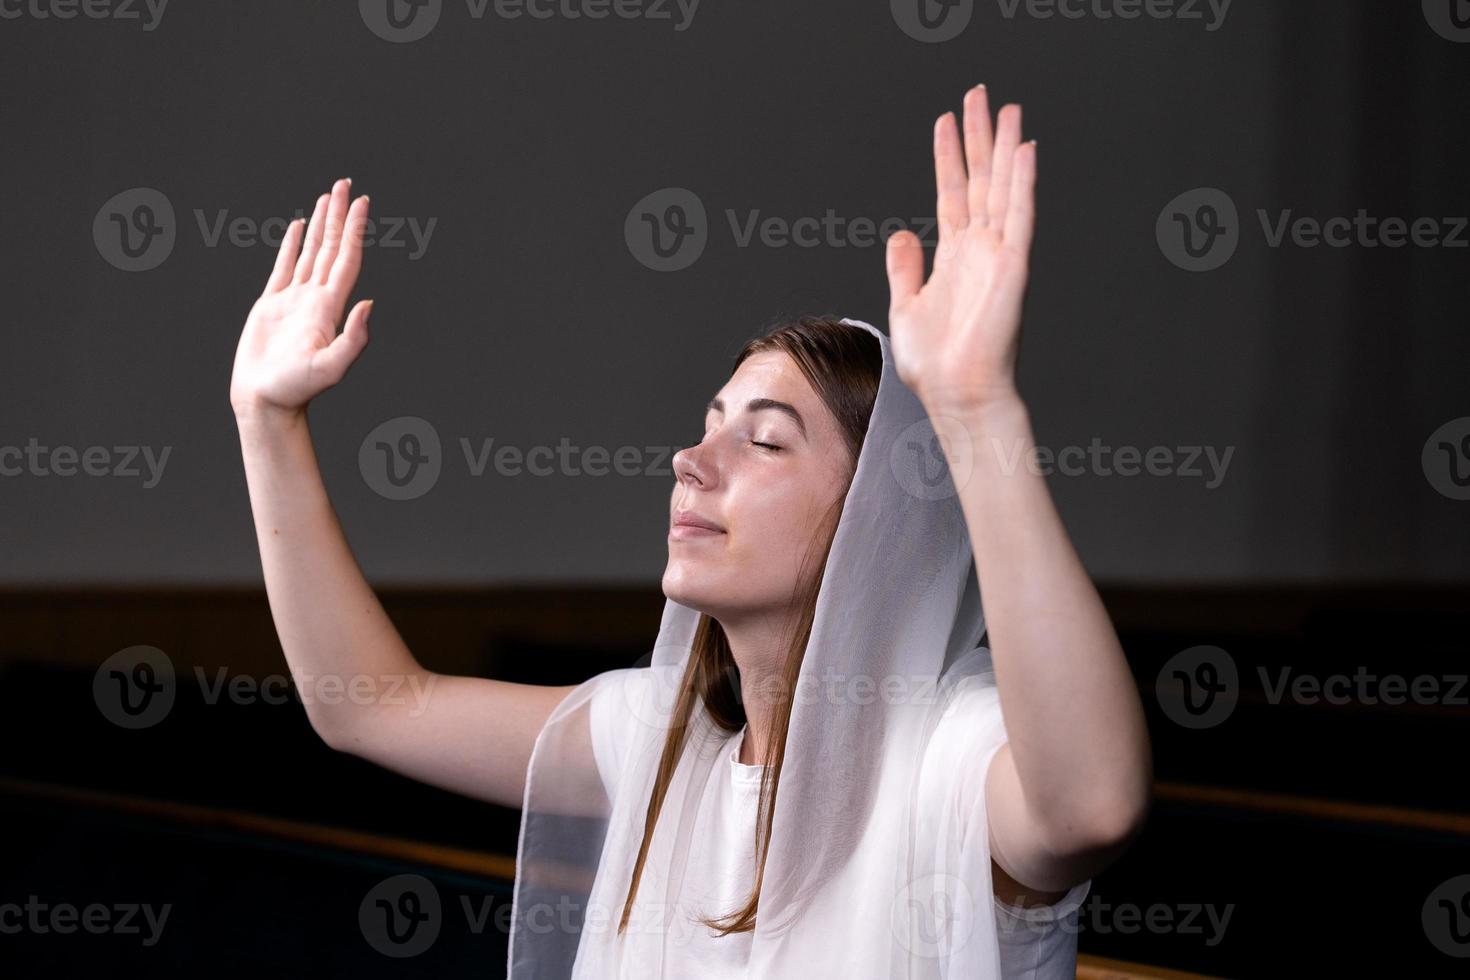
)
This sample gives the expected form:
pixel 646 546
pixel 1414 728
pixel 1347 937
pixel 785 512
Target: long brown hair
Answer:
pixel 844 364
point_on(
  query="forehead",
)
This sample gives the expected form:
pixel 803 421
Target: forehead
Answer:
pixel 770 374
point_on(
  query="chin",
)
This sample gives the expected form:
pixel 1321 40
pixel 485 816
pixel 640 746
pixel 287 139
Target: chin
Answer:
pixel 676 586
pixel 687 587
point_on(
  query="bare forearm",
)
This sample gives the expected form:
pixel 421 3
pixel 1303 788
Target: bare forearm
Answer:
pixel 363 690
pixel 343 650
pixel 1071 706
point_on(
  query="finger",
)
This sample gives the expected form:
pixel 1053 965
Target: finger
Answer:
pixel 905 261
pixel 313 240
pixel 1007 138
pixel 332 229
pixel 349 259
pixel 1021 213
pixel 285 257
pixel 978 143
pixel 949 178
pixel 331 362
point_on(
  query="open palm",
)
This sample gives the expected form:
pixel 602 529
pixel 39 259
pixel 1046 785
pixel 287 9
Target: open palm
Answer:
pixel 955 336
pixel 290 351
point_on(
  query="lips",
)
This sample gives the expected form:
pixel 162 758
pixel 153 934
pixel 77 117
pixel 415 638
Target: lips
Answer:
pixel 688 518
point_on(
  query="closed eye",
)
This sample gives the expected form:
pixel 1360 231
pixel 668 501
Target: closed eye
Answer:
pixel 766 445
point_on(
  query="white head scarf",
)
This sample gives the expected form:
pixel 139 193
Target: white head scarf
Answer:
pixel 872 871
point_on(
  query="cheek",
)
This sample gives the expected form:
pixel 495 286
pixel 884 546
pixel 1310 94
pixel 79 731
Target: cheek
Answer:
pixel 763 510
pixel 774 522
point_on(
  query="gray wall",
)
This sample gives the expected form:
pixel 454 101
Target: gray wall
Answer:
pixel 528 319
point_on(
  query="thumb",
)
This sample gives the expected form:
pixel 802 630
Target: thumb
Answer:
pixel 334 359
pixel 905 266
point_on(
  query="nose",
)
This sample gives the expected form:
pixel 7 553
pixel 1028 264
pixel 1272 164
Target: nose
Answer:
pixel 694 467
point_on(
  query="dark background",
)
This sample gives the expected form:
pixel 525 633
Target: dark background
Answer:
pixel 529 319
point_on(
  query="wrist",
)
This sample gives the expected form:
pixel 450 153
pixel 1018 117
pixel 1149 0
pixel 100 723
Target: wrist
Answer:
pixel 974 404
pixel 982 437
pixel 256 416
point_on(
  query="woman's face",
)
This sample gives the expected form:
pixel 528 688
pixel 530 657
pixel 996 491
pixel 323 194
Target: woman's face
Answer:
pixel 764 475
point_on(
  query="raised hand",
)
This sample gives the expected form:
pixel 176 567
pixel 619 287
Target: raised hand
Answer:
pixel 955 336
pixel 290 351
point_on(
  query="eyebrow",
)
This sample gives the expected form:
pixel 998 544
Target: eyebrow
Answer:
pixel 759 404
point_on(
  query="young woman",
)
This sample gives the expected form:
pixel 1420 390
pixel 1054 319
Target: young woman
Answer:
pixel 821 772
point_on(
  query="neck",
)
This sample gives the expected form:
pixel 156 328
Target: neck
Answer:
pixel 760 645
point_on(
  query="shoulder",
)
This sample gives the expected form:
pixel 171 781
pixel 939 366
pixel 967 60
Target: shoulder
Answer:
pixel 628 711
pixel 968 736
pixel 970 726
pixel 965 732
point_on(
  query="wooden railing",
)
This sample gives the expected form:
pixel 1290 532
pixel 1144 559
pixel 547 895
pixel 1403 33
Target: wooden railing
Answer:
pixel 502 867
pixel 1098 968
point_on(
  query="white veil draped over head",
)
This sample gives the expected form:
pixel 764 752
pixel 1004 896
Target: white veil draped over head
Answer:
pixel 874 869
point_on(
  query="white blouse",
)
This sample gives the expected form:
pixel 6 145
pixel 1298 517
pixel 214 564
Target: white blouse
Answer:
pixel 1038 943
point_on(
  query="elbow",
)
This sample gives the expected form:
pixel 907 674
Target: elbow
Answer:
pixel 1115 813
pixel 1118 823
pixel 331 731
pixel 1101 826
pixel 333 741
pixel 1102 817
